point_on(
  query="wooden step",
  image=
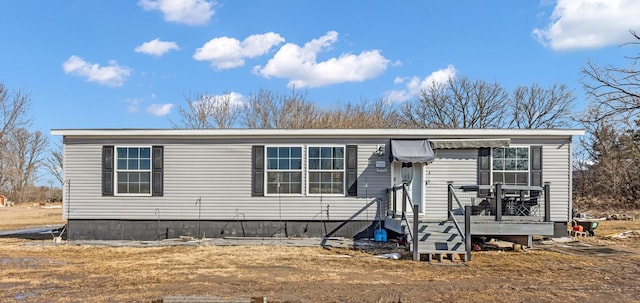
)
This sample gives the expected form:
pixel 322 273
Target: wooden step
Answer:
pixel 430 237
pixel 441 247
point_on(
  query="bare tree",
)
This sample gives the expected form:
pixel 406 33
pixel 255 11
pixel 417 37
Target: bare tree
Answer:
pixel 378 114
pixel 13 115
pixel 259 108
pixel 13 110
pixel 25 150
pixel 54 163
pixel 458 103
pixel 207 111
pixel 297 112
pixel 608 170
pixel 612 144
pixel 266 109
pixel 421 113
pixel 538 107
pixel 614 90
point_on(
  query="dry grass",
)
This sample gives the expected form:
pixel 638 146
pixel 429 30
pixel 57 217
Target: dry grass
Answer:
pixel 36 271
pixel 25 215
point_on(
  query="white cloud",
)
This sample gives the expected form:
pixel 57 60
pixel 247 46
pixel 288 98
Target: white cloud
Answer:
pixel 132 105
pixel 235 99
pixel 413 85
pixel 225 52
pixel 189 12
pixel 300 66
pixel 583 24
pixel 156 47
pixel 112 75
pixel 160 109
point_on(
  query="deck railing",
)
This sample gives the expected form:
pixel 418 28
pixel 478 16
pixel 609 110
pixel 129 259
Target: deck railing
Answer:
pixel 451 195
pixel 406 201
pixel 500 200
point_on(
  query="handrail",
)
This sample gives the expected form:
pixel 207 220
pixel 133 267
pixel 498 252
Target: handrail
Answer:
pixel 455 222
pixel 453 192
pixel 404 187
pixel 394 205
pixel 404 215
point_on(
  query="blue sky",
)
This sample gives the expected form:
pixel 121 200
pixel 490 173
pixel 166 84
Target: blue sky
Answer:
pixel 129 64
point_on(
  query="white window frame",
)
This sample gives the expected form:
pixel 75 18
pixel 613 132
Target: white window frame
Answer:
pixel 528 171
pixel 267 170
pixel 118 170
pixel 343 170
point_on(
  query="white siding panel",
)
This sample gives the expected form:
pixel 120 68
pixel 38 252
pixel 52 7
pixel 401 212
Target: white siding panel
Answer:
pixel 459 166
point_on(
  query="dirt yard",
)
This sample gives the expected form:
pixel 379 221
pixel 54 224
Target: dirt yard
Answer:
pixel 598 269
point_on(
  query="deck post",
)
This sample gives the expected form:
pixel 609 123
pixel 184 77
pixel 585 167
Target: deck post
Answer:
pixel 449 200
pixel 467 230
pixel 416 254
pixel 547 202
pixel 498 197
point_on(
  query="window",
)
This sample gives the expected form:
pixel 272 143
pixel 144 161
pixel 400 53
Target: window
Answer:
pixel 326 170
pixel 284 170
pixel 133 170
pixel 510 165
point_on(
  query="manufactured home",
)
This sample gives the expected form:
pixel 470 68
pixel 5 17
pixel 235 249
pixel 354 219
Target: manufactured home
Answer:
pixel 147 184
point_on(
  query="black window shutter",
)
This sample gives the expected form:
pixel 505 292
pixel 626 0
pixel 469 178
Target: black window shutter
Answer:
pixel 107 170
pixel 257 170
pixel 536 167
pixel 157 168
pixel 484 169
pixel 352 170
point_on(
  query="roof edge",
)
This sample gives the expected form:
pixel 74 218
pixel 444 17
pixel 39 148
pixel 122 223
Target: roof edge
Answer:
pixel 440 132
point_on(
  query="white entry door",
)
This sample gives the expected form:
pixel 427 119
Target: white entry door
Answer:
pixel 415 187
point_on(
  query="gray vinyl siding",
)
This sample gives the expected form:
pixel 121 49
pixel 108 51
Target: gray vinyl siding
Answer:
pixel 218 172
pixel 219 175
pixel 556 169
pixel 371 183
pixel 457 165
pixel 460 166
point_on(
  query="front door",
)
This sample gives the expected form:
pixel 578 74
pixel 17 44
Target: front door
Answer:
pixel 415 186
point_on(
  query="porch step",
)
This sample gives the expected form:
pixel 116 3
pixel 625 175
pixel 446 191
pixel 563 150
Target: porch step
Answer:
pixel 437 247
pixel 439 241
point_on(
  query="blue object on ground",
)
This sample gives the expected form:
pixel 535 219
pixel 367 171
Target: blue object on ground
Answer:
pixel 380 235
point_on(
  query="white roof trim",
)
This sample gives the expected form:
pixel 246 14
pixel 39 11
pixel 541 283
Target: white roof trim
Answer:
pixel 327 133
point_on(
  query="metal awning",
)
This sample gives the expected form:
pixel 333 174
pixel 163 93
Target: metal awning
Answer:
pixel 414 151
pixel 468 143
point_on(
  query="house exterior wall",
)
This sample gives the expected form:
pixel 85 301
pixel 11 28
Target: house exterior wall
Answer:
pixel 457 165
pixel 556 169
pixel 218 173
pixel 216 170
pixel 460 166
